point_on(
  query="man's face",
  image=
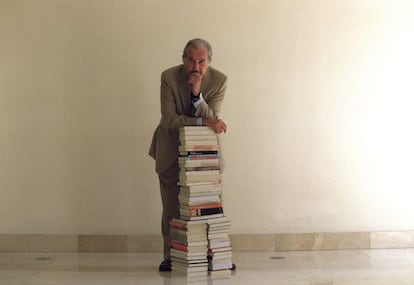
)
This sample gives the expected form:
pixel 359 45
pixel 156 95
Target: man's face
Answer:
pixel 196 61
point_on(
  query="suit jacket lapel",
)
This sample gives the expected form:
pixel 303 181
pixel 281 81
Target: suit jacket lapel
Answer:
pixel 205 82
pixel 184 92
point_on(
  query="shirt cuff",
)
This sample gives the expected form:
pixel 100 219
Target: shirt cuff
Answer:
pixel 199 101
pixel 199 121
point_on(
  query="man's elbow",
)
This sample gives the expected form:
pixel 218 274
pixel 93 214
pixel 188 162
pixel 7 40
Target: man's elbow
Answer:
pixel 168 122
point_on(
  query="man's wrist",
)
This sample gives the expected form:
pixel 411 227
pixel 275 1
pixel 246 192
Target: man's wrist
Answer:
pixel 195 96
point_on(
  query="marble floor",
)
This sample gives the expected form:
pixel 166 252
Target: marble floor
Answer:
pixel 379 267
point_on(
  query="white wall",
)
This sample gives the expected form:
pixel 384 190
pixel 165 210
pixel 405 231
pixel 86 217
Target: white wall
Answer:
pixel 319 110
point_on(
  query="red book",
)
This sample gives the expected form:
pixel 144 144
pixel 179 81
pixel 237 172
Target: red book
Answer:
pixel 178 225
pixel 179 246
pixel 206 206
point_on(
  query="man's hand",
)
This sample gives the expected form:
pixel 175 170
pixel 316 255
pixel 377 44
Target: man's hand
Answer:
pixel 194 80
pixel 217 125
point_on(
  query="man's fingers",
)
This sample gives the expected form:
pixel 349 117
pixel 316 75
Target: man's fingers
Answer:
pixel 194 78
pixel 220 127
pixel 217 125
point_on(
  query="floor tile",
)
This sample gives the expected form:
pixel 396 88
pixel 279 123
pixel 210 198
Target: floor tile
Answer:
pixel 347 267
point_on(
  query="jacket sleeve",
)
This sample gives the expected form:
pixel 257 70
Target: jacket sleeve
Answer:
pixel 171 117
pixel 211 106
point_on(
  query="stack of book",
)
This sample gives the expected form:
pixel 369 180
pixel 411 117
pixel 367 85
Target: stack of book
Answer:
pixel 188 248
pixel 219 247
pixel 200 201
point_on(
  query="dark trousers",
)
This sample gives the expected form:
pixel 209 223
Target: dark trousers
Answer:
pixel 170 205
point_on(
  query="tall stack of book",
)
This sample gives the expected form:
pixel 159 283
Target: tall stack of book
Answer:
pixel 219 247
pixel 201 203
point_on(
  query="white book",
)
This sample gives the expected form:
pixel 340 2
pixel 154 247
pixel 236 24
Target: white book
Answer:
pixel 212 222
pixel 222 254
pixel 196 130
pixel 199 172
pixel 217 274
pixel 195 199
pixel 213 243
pixel 203 136
pixel 199 142
pixel 198 163
pixel 219 266
pixel 204 178
pixel 201 188
pixel 201 183
pixel 199 218
pixel 217 235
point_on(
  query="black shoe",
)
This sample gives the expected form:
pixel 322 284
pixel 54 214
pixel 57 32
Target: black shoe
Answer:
pixel 165 266
pixel 233 267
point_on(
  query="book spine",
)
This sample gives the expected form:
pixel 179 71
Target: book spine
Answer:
pixel 199 167
pixel 179 246
pixel 178 225
pixel 198 148
pixel 200 152
pixel 203 212
pixel 206 206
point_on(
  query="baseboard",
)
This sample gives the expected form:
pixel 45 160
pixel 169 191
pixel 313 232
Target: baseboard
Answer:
pixel 240 242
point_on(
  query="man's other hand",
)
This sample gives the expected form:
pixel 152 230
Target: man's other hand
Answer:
pixel 218 125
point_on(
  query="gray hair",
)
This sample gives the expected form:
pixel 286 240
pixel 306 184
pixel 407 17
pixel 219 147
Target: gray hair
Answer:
pixel 198 43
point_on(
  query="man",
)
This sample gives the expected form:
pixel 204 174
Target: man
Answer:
pixel 191 95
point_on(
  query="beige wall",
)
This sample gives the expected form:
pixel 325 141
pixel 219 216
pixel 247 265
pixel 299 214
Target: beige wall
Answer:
pixel 319 109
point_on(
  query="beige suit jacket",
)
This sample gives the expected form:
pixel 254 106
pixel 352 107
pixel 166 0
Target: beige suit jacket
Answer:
pixel 177 111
